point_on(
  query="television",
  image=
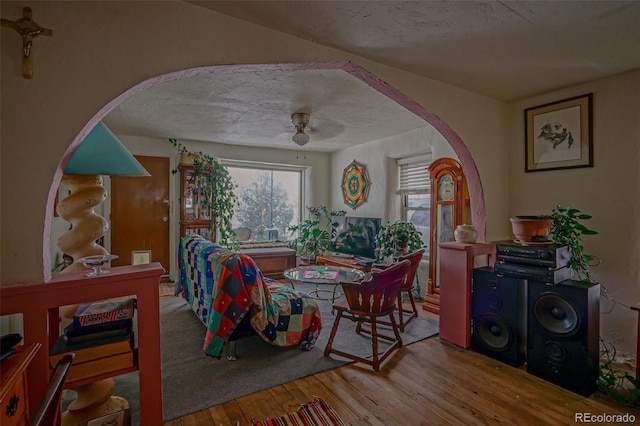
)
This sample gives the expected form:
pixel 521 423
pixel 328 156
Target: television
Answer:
pixel 355 235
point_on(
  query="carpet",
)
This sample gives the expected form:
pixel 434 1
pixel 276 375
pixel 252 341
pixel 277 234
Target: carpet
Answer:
pixel 193 381
pixel 315 413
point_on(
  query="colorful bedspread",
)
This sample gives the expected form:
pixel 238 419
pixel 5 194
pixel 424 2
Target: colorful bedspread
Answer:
pixel 222 286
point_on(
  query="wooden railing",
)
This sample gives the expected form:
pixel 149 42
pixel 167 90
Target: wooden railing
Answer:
pixel 39 305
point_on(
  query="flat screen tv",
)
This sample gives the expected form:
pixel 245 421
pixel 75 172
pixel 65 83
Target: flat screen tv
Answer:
pixel 355 235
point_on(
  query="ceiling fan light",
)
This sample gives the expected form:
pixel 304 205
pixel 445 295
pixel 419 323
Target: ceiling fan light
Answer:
pixel 301 138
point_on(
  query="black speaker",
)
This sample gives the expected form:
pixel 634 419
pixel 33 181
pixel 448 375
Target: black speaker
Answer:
pixel 499 316
pixel 563 334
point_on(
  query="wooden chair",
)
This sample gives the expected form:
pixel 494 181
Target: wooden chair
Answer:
pixel 47 413
pixel 407 287
pixel 366 303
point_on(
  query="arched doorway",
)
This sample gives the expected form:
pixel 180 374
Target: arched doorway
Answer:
pixel 464 156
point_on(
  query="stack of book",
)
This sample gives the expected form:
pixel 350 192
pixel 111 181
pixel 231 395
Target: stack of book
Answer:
pixel 101 336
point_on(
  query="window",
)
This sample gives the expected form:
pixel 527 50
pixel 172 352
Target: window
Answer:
pixel 415 192
pixel 269 200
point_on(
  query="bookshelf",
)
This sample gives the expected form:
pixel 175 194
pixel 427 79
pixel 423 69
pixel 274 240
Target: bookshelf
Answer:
pixel 39 305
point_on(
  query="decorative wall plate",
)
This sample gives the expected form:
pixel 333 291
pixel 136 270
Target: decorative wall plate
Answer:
pixel 355 184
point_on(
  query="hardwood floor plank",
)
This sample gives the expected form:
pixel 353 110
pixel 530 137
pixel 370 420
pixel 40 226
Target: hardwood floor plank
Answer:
pixel 218 415
pixel 425 383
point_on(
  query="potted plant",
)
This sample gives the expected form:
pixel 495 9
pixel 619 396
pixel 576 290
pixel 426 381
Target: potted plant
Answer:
pixel 314 233
pixel 567 230
pixel 397 238
pixel 534 229
pixel 216 186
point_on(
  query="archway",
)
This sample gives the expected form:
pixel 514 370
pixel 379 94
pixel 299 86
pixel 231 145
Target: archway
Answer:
pixel 468 164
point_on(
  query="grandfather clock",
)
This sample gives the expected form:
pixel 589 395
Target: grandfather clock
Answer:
pixel 450 207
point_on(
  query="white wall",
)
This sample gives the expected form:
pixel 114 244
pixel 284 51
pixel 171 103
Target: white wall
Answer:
pixel 380 158
pixel 609 191
pixel 317 166
pixel 77 77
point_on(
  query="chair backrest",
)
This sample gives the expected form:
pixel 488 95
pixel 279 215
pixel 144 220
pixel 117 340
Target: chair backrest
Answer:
pixel 379 293
pixel 415 259
pixel 48 410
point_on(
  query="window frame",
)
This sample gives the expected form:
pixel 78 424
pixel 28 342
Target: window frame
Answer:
pixel 409 184
pixel 259 165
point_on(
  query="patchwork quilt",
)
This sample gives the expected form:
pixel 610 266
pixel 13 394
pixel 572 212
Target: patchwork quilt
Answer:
pixel 222 286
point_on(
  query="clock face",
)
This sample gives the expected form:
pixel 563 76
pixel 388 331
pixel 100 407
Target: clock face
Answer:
pixel 445 191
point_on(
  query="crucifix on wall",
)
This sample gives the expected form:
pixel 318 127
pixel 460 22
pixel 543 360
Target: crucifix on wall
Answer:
pixel 29 30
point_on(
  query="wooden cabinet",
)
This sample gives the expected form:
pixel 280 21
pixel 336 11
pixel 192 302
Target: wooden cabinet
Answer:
pixel 450 207
pixel 196 215
pixel 14 404
pixel 272 261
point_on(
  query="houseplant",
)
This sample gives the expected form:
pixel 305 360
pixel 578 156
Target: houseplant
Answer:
pixel 216 186
pixel 397 238
pixel 314 233
pixel 568 229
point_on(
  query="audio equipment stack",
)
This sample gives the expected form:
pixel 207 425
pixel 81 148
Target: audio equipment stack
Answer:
pixel 547 263
pixel 529 308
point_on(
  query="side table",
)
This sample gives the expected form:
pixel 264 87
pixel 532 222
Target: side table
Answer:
pixel 456 271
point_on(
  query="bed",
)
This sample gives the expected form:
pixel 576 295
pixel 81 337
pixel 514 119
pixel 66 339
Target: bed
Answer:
pixel 232 298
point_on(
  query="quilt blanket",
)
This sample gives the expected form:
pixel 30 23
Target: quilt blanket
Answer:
pixel 222 286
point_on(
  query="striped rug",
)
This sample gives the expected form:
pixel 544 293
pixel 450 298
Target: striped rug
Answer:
pixel 315 413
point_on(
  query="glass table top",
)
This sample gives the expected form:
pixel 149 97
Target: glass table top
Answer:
pixel 324 274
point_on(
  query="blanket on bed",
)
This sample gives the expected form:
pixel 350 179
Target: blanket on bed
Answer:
pixel 222 286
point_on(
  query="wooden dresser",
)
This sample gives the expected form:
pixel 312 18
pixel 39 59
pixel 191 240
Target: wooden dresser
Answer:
pixel 272 261
pixel 14 406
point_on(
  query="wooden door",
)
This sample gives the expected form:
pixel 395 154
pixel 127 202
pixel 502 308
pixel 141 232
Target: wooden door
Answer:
pixel 140 213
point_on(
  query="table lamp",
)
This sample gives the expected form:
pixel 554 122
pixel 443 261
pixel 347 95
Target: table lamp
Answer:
pixel 100 153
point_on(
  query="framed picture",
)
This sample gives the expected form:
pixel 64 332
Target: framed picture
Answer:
pixel 559 135
pixel 141 257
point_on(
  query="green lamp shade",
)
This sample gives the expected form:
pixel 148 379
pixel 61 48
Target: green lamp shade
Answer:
pixel 101 153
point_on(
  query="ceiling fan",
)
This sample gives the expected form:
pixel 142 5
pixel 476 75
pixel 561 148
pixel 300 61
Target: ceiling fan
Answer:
pixel 300 121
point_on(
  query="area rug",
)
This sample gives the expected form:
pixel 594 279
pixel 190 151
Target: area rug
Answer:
pixel 315 413
pixel 193 381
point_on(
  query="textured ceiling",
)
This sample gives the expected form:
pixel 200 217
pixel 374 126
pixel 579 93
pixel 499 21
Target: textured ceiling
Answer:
pixel 506 50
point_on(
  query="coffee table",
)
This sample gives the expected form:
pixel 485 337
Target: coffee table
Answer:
pixel 324 274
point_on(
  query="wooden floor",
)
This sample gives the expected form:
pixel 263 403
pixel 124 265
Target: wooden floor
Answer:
pixel 425 383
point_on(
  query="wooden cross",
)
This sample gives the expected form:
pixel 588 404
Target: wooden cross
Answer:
pixel 29 30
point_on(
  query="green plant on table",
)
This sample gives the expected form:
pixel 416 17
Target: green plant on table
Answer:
pixel 396 239
pixel 313 235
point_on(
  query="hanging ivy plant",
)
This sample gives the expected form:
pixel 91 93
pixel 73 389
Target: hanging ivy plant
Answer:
pixel 216 186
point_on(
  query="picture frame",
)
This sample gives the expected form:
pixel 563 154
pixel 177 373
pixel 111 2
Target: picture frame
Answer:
pixel 140 257
pixel 559 135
